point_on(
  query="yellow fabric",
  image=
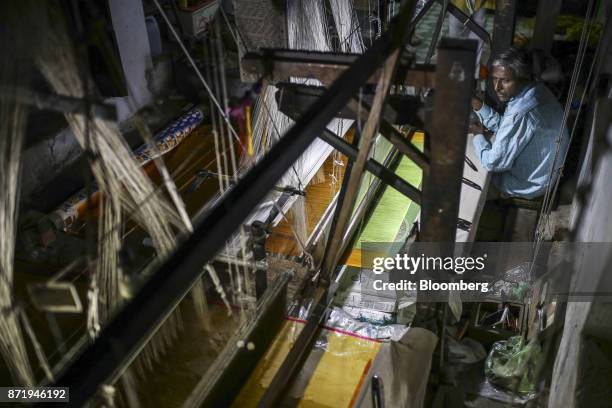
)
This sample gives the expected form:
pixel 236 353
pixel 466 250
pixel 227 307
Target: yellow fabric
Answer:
pixel 255 387
pixel 339 371
pixel 335 377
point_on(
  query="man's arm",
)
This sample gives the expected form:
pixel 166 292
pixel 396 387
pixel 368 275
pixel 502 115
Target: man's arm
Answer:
pixel 510 140
pixel 489 117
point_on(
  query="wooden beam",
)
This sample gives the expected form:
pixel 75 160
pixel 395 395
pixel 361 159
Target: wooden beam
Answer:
pixel 279 65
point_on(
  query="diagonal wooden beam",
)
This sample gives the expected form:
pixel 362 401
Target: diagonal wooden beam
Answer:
pixel 365 144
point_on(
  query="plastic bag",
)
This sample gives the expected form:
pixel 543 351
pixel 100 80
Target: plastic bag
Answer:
pixel 512 361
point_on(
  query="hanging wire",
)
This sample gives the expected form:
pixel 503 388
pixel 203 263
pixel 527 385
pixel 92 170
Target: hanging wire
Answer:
pixel 238 38
pixel 82 272
pixel 556 171
pixel 548 197
pixel 234 269
pixel 187 166
pixel 221 87
pixel 77 332
pixel 573 83
pixel 198 72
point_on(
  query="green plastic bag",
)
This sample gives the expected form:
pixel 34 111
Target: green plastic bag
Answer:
pixel 512 361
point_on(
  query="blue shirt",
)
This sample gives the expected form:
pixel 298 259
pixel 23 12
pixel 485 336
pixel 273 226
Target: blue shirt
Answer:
pixel 525 143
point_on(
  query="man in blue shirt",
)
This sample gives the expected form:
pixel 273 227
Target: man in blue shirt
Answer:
pixel 524 146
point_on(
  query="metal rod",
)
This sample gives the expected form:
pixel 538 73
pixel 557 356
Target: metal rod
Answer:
pixel 389 132
pixel 470 183
pixel 262 265
pixel 403 145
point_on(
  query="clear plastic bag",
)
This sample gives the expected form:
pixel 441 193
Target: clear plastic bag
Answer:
pixel 512 364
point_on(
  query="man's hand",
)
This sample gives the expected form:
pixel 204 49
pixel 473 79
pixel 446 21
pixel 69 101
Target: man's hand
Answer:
pixel 476 103
pixel 477 128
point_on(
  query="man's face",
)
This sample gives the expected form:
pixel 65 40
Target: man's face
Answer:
pixel 505 84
